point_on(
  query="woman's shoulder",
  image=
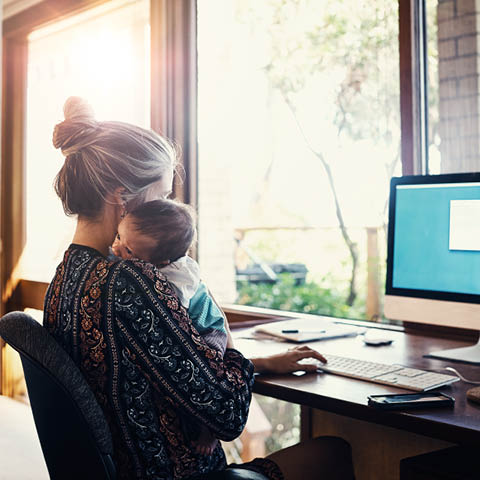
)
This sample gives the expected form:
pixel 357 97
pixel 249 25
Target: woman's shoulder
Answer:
pixel 113 280
pixel 84 262
pixel 142 277
pixel 137 269
pixel 80 257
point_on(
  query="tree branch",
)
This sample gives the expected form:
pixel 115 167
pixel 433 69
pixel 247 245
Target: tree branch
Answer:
pixel 352 246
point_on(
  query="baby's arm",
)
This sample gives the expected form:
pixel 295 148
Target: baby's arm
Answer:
pixel 227 326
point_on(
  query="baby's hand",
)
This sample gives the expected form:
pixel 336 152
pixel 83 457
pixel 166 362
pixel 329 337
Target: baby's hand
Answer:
pixel 206 449
pixel 206 443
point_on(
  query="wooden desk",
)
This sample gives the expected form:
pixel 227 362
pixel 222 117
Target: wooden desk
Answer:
pixel 339 405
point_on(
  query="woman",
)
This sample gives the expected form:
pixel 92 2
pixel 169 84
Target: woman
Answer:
pixel 122 324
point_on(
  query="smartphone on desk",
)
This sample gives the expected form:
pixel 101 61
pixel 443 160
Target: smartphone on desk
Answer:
pixel 403 401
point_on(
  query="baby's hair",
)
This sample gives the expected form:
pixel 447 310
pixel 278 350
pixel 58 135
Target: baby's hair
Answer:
pixel 171 224
pixel 101 157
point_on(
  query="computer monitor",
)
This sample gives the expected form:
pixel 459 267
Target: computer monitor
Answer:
pixel 433 262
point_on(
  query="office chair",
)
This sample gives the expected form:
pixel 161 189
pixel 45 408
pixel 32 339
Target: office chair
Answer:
pixel 73 432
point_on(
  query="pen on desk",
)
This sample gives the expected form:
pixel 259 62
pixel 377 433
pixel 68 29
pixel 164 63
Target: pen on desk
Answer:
pixel 303 331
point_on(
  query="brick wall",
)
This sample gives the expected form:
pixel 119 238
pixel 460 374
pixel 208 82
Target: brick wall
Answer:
pixel 458 76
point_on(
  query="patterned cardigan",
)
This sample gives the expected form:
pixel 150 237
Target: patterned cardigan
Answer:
pixel 150 370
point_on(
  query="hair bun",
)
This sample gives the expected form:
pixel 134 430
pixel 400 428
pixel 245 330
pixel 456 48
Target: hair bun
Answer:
pixel 72 134
pixel 76 108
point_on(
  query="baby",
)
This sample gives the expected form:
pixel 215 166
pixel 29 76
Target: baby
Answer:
pixel 161 232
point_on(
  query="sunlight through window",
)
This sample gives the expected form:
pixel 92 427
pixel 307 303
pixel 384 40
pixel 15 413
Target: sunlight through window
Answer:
pixel 299 134
pixel 102 55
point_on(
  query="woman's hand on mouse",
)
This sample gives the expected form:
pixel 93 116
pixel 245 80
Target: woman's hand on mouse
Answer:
pixel 289 361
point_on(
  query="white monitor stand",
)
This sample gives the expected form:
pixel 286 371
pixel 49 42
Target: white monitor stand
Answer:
pixel 462 354
pixel 441 313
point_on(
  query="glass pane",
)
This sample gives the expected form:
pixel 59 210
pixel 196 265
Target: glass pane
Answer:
pixel 101 55
pixel 453 86
pixel 272 425
pixel 299 133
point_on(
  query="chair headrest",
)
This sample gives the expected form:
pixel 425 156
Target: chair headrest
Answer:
pixel 29 338
pixel 231 474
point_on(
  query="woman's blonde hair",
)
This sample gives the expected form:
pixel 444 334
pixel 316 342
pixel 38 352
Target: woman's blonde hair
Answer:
pixel 101 157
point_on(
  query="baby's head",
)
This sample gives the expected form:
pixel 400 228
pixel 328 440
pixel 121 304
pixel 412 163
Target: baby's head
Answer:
pixel 159 232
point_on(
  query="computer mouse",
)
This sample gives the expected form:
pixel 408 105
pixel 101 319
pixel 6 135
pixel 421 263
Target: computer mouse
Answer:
pixel 376 338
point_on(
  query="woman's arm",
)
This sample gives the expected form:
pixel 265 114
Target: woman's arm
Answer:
pixel 159 339
pixel 285 362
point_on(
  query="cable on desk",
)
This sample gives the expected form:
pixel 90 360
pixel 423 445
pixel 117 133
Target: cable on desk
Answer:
pixel 460 376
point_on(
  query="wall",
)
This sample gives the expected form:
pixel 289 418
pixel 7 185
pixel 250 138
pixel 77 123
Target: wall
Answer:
pixel 458 72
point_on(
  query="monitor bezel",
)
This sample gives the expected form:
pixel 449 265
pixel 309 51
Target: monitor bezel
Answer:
pixel 419 180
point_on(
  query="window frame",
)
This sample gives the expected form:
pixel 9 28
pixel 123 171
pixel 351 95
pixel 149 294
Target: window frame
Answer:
pixel 413 81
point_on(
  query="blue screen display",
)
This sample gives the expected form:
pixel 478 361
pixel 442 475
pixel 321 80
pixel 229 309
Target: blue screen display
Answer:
pixel 435 242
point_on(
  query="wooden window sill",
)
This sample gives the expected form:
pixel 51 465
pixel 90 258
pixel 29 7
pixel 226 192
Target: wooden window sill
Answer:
pixel 29 293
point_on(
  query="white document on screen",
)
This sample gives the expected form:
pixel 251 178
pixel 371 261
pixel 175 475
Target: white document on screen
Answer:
pixel 464 225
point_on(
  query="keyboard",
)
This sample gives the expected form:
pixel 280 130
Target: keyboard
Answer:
pixel 393 375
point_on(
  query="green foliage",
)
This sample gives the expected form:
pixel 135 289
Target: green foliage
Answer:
pixel 355 42
pixel 306 298
pixel 335 65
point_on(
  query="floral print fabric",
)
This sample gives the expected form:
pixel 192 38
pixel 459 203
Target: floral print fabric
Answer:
pixel 150 370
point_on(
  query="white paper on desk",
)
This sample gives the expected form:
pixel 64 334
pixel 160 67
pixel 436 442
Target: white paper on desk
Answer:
pixel 308 330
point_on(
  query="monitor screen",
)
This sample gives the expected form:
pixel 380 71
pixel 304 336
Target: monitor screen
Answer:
pixel 433 261
pixel 434 237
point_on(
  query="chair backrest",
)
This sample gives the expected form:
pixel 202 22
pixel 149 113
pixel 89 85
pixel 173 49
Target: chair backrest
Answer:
pixel 73 432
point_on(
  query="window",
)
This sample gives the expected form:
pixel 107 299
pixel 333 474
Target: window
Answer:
pixel 102 55
pixel 299 133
